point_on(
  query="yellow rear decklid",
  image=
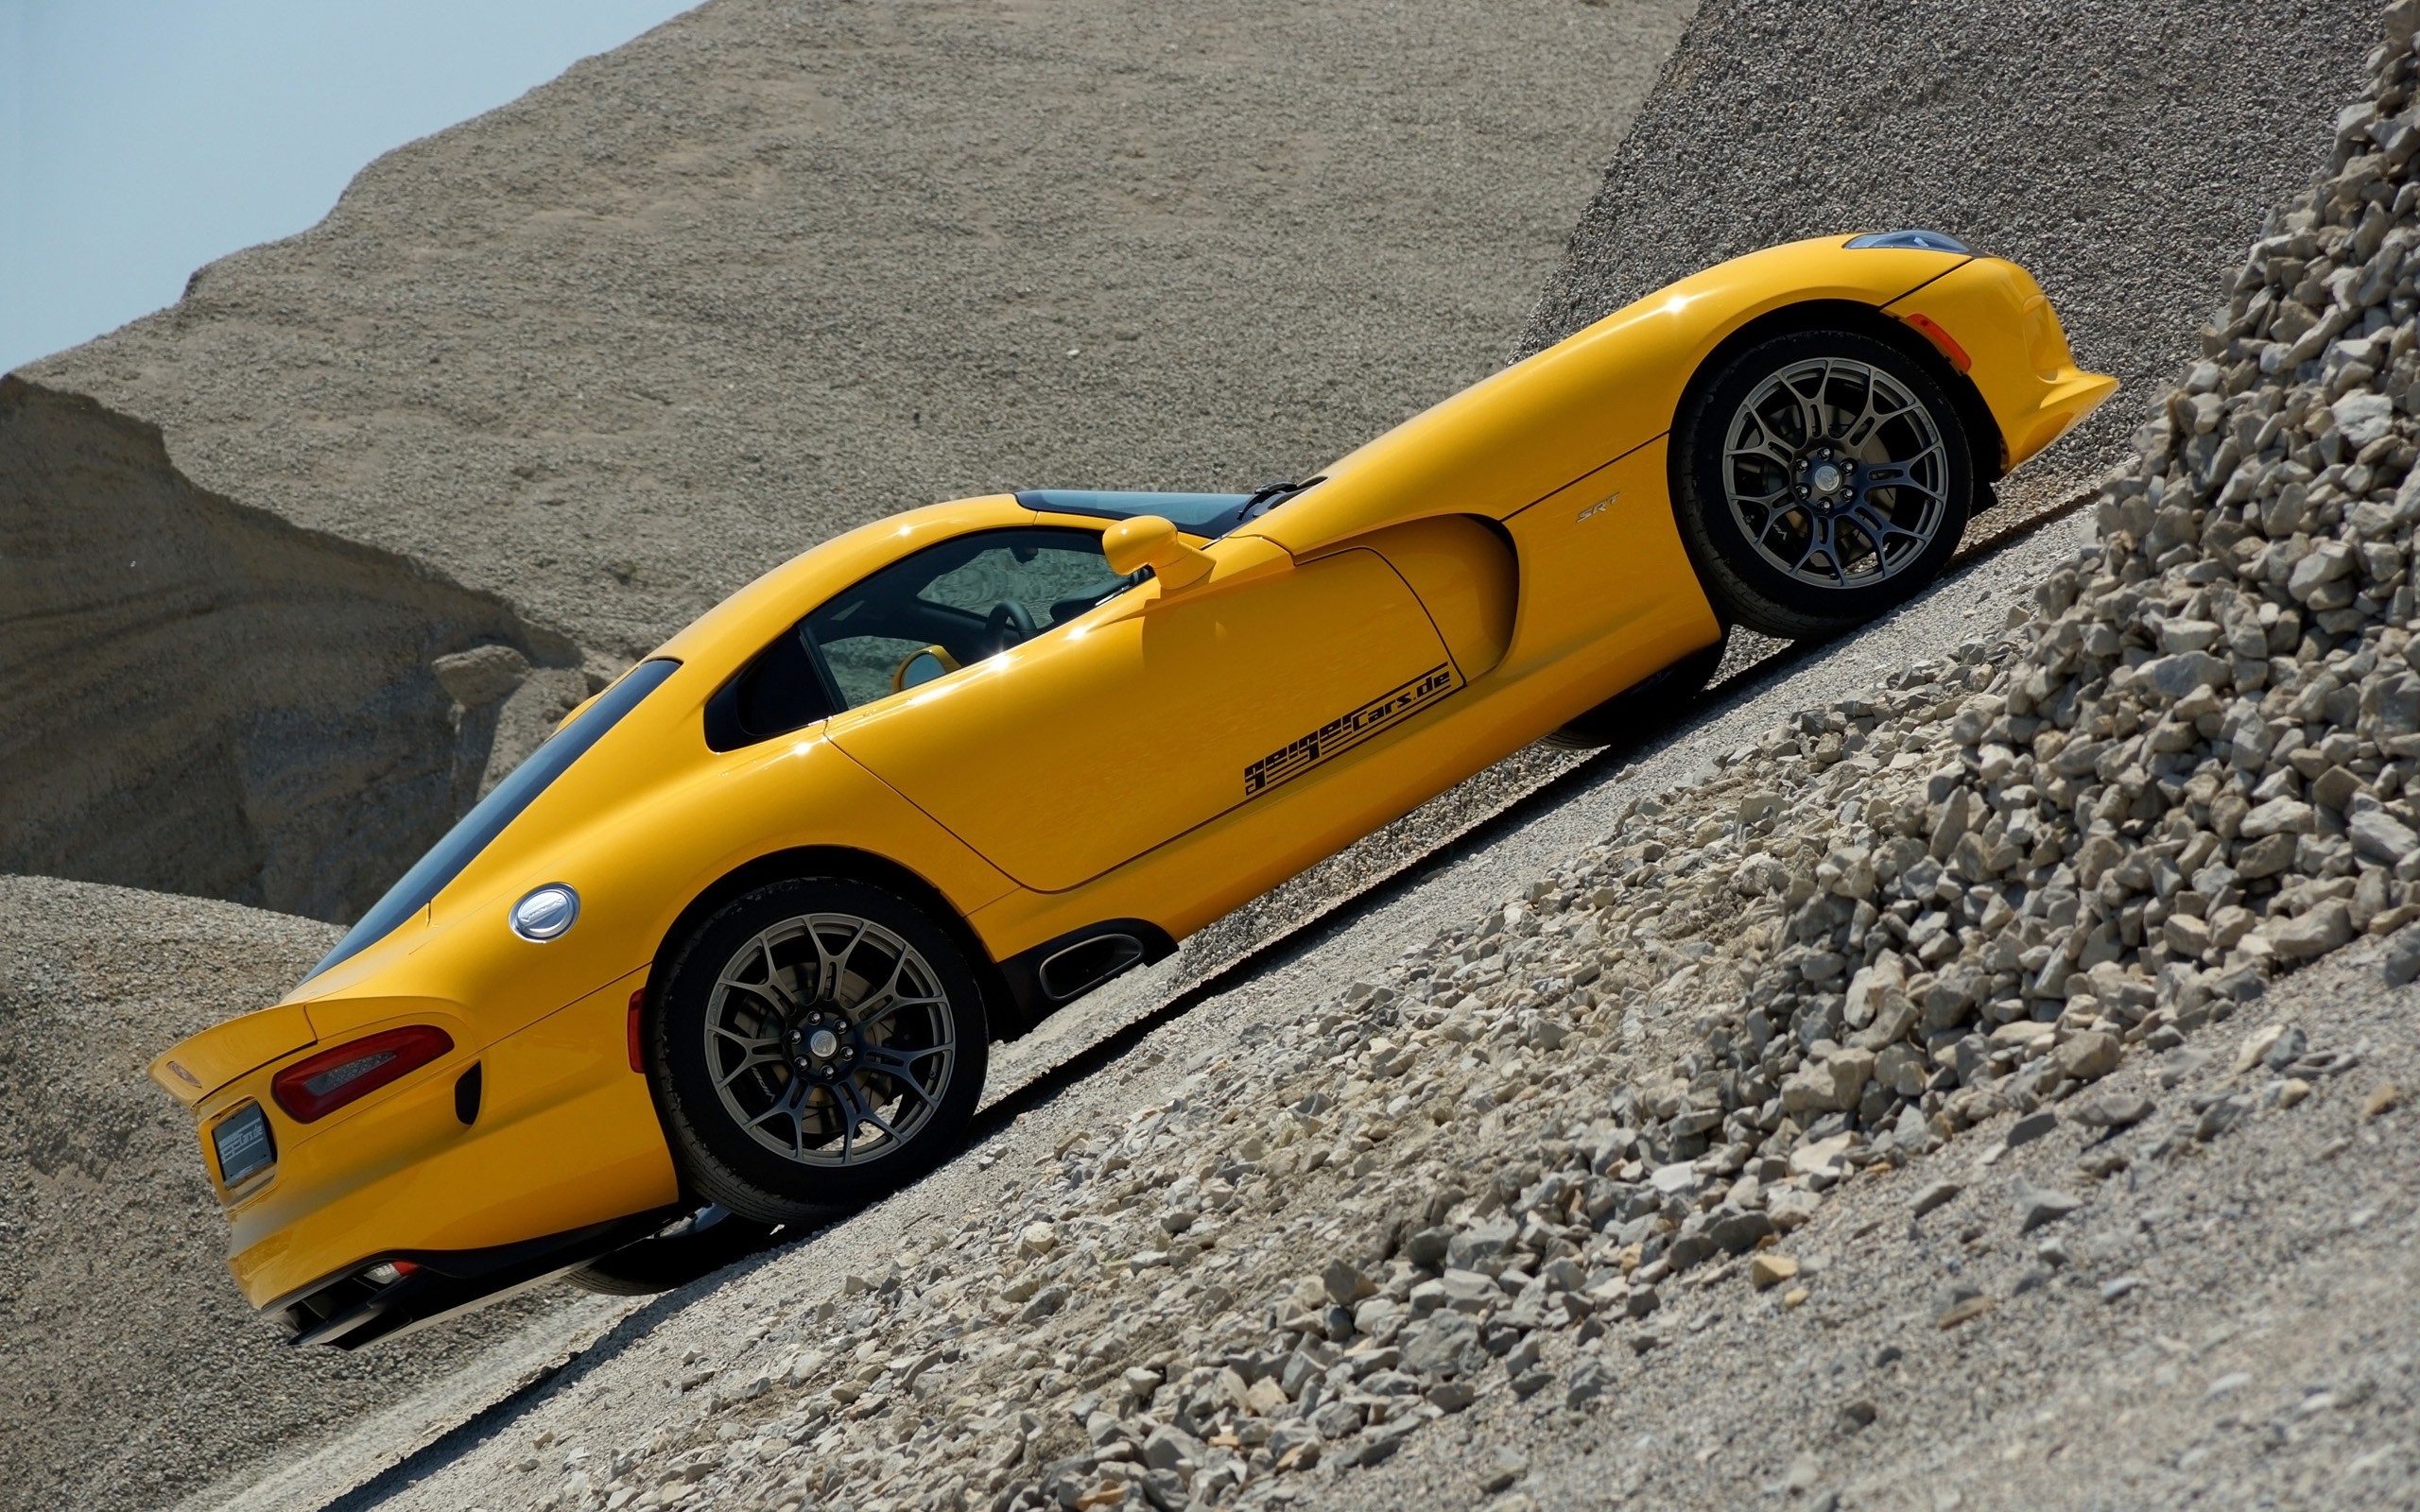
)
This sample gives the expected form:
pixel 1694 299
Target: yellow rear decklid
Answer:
pixel 199 1066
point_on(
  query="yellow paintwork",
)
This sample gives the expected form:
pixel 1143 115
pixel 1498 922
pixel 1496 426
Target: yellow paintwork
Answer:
pixel 1189 688
pixel 1455 589
pixel 2021 363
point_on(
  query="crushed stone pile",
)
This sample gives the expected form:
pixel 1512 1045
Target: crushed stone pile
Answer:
pixel 1969 897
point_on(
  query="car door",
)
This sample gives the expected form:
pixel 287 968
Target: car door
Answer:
pixel 1111 728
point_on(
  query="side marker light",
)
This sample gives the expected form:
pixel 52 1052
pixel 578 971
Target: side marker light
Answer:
pixel 1948 346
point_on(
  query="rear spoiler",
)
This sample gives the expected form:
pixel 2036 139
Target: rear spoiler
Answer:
pixel 197 1067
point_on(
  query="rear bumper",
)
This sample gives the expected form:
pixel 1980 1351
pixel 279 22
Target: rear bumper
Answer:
pixel 350 1310
pixel 563 1145
pixel 2019 359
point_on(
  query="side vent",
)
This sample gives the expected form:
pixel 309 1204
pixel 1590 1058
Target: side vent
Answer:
pixel 1087 963
pixel 1054 974
pixel 466 1097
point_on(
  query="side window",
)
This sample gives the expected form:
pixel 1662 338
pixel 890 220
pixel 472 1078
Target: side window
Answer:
pixel 965 599
pixel 781 690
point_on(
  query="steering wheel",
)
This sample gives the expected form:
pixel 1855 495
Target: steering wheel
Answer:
pixel 1009 623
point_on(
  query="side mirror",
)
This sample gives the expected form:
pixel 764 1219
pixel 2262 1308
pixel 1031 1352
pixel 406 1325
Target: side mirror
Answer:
pixel 1147 541
pixel 931 662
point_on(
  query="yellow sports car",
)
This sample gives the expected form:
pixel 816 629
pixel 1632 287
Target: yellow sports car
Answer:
pixel 737 938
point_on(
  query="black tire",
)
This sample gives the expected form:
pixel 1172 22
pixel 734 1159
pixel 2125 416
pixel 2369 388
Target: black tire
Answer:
pixel 796 1103
pixel 1646 706
pixel 1776 446
pixel 698 1244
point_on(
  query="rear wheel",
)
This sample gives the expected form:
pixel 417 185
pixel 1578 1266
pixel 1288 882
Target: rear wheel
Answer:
pixel 1819 479
pixel 1643 707
pixel 819 1043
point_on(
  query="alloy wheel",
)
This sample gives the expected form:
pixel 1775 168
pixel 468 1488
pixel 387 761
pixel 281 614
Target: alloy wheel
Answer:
pixel 1836 473
pixel 829 1040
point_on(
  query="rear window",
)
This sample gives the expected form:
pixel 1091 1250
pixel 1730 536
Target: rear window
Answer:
pixel 477 829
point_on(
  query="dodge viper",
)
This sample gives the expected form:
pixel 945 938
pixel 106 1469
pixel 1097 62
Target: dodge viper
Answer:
pixel 728 951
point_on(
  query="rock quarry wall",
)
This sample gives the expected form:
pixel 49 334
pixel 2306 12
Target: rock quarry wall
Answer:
pixel 201 697
pixel 771 270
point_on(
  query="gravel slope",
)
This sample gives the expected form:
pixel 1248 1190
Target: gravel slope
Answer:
pixel 1978 945
pixel 130 1372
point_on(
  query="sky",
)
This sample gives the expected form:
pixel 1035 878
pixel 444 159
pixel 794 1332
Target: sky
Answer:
pixel 140 139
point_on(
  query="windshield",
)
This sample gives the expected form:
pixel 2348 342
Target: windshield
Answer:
pixel 488 817
pixel 1197 514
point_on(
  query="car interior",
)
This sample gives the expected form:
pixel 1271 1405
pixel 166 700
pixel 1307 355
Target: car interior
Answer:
pixel 947 606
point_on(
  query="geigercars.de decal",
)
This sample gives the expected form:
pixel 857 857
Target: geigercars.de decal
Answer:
pixel 1347 731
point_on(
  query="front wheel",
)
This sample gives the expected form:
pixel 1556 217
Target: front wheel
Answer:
pixel 819 1043
pixel 1819 479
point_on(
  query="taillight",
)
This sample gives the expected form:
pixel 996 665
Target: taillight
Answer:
pixel 314 1087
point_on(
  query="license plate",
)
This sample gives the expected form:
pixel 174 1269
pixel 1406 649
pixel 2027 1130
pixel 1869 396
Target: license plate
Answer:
pixel 243 1146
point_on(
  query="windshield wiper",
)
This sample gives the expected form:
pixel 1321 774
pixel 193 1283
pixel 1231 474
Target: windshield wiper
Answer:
pixel 1269 495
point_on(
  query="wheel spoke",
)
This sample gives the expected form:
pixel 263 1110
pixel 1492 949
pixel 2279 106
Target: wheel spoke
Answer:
pixel 867 1018
pixel 900 1065
pixel 1770 449
pixel 771 995
pixel 1881 533
pixel 754 1059
pixel 1899 475
pixel 830 965
pixel 786 1104
pixel 1824 536
pixel 860 1110
pixel 783 997
pixel 1875 414
pixel 1879 527
pixel 1810 407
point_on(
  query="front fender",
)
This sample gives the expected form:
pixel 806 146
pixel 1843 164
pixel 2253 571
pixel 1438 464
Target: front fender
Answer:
pixel 1995 318
pixel 1514 437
